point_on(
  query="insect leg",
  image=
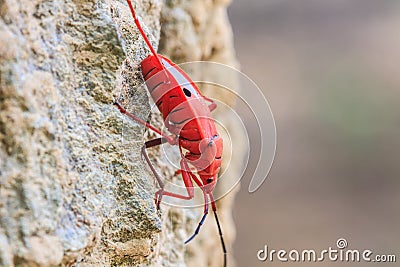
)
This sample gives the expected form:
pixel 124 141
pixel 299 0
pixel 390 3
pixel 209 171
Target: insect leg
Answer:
pixel 168 138
pixel 186 176
pixel 213 105
pixel 160 193
pixel 185 167
pixel 148 144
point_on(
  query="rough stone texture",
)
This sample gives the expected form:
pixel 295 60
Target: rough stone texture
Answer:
pixel 74 189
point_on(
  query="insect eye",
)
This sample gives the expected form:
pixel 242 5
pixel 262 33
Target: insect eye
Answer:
pixel 209 180
pixel 187 92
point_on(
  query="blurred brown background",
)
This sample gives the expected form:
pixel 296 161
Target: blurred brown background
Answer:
pixel 331 73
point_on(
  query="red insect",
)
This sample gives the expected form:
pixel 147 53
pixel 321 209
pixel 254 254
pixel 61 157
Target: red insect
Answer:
pixel 187 115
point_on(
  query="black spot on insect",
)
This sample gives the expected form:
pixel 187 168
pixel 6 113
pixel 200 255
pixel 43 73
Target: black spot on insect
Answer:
pixel 187 92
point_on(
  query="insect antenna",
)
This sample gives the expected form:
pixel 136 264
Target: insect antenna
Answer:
pixel 143 34
pixel 220 236
pixel 214 207
pixel 202 219
pixel 197 229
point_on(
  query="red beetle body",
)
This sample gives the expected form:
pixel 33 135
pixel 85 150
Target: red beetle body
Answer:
pixel 187 116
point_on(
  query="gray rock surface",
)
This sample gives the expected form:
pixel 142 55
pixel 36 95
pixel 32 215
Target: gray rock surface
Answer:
pixel 74 189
